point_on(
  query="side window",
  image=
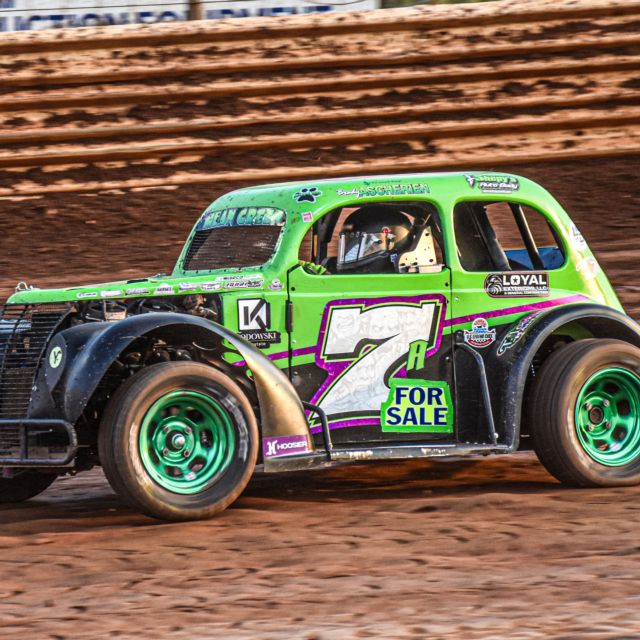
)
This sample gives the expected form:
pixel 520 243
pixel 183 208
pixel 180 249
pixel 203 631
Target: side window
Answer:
pixel 376 238
pixel 505 236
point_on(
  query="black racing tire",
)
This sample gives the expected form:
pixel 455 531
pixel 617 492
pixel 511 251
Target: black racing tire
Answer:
pixel 24 484
pixel 557 395
pixel 142 472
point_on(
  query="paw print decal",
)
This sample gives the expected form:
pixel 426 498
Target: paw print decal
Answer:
pixel 307 194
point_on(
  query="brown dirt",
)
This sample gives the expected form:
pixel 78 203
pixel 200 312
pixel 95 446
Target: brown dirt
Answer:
pixel 473 549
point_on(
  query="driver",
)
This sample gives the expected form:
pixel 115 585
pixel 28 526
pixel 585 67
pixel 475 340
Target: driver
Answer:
pixel 372 239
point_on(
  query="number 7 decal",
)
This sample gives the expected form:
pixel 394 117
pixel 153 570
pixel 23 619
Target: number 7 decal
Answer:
pixel 363 344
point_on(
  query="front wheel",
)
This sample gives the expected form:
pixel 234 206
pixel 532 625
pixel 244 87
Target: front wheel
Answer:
pixel 23 484
pixel 179 441
pixel 585 414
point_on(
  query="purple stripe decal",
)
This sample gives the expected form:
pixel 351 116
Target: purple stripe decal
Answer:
pixel 511 310
pixel 281 355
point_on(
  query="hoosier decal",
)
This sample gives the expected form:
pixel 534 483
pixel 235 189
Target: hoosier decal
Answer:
pixel 509 284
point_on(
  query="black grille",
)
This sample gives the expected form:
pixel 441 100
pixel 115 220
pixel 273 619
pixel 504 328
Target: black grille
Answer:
pixel 24 333
pixel 231 247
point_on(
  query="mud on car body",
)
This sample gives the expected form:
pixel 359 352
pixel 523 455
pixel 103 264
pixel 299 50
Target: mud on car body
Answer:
pixel 313 324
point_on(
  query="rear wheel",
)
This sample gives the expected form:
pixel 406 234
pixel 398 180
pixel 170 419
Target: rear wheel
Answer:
pixel 179 441
pixel 585 414
pixel 21 484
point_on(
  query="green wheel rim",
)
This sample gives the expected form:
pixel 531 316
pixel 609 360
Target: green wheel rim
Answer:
pixel 187 441
pixel 607 417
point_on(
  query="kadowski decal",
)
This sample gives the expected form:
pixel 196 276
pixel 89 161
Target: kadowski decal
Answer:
pixel 279 446
pixel 254 322
pixel 417 406
pixel 492 184
pixel 308 194
pixel 509 284
pixel 480 335
pixel 385 190
pixel 360 342
pixel 515 333
pixel 136 291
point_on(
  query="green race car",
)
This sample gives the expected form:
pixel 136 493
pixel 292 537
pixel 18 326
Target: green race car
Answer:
pixel 326 322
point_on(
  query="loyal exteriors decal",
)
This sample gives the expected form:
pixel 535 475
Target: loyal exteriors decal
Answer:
pixel 416 406
pixel 524 284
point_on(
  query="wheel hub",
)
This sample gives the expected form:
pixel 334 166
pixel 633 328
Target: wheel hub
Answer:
pixel 186 441
pixel 607 416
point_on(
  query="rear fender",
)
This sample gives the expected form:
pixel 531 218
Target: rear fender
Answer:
pixel 512 356
pixel 89 350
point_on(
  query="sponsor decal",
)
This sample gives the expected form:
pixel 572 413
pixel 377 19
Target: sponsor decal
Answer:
pixel 515 333
pixel 577 239
pixel 111 293
pixel 83 295
pixel 280 446
pixel 211 286
pixel 164 288
pixel 187 286
pixel 243 282
pixel 55 357
pixel 385 189
pixel 308 194
pixel 137 291
pixel 276 285
pixel 241 217
pixel 254 321
pixel 480 335
pixel 525 284
pixel 493 184
pixel 588 268
pixel 417 406
pixel 307 216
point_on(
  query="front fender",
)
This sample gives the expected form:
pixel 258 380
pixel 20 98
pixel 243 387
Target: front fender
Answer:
pixel 511 358
pixel 89 350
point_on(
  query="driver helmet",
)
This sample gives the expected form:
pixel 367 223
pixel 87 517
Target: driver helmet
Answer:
pixel 371 239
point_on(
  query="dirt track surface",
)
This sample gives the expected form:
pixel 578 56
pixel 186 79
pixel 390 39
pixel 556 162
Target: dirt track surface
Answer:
pixel 473 549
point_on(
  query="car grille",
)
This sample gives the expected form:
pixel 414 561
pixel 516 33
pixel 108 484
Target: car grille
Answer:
pixel 25 331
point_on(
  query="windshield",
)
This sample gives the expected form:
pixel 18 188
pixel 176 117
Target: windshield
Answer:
pixel 234 238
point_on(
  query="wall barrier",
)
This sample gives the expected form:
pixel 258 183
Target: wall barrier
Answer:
pixel 457 86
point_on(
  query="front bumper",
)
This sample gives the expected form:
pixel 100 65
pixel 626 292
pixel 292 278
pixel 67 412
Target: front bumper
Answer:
pixel 37 443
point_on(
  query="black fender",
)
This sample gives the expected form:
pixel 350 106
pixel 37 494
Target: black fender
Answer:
pixel 89 350
pixel 511 357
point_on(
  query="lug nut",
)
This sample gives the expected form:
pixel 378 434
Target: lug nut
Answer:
pixel 607 424
pixel 165 452
pixel 187 430
pixel 589 406
pixel 606 403
pixel 186 453
pixel 166 429
pixel 590 427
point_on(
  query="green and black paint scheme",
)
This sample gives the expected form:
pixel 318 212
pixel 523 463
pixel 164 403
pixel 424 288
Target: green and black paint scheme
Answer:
pixel 335 367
